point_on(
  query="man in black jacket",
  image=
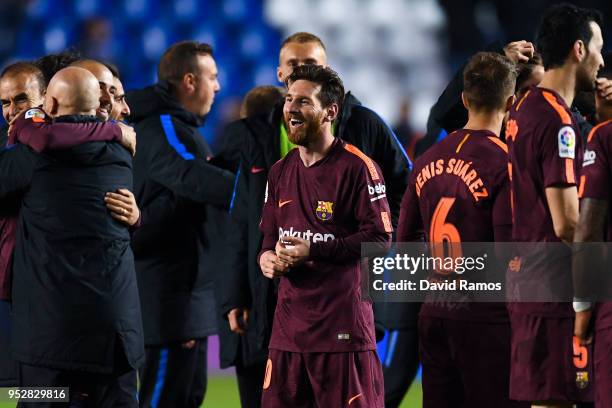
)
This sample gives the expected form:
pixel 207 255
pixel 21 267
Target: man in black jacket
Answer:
pixel 246 299
pixel 449 114
pixel 172 181
pixel 76 316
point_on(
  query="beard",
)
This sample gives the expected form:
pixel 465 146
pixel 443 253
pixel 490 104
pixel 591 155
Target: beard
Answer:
pixel 585 82
pixel 307 133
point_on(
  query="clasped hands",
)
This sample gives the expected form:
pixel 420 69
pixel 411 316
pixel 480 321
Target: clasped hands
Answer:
pixel 289 253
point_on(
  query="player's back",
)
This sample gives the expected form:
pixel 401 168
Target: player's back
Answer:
pixel 458 181
pixel 463 195
pixel 544 151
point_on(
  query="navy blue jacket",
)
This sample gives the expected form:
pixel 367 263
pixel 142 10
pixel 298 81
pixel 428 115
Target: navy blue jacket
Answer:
pixel 75 300
pixel 175 186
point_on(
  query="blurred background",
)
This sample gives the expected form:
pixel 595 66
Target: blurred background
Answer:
pixel 395 55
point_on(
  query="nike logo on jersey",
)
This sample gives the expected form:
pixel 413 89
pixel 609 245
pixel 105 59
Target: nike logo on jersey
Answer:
pixel 281 203
pixel 256 170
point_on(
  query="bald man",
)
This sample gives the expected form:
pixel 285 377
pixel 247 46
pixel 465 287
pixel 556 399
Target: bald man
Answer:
pixel 107 87
pixel 23 86
pixel 76 314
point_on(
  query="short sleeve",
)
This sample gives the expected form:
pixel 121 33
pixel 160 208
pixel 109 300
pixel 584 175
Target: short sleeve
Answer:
pixel 595 173
pixel 559 152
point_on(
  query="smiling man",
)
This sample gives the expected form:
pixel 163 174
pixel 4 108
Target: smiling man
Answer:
pixel 319 191
pixel 107 87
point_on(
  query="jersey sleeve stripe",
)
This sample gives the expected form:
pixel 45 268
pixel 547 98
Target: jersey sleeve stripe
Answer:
pixel 368 162
pixel 592 132
pixel 569 171
pixel 565 117
pixel 498 142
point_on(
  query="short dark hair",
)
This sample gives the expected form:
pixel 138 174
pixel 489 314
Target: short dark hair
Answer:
pixel 488 79
pixel 561 26
pixel 23 67
pixel 332 89
pixel 112 68
pixel 303 37
pixel 525 69
pixel 50 64
pixel 181 59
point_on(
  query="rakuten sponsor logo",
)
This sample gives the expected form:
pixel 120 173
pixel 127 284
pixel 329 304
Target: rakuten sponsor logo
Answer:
pixel 308 235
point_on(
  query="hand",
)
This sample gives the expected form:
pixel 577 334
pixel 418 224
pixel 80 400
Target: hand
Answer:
pixel 293 251
pixel 128 137
pixel 519 51
pixel 581 327
pixel 604 88
pixel 122 205
pixel 238 325
pixel 271 266
pixel 188 344
pixel 20 114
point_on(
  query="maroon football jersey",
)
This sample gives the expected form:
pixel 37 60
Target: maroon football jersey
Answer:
pixel 595 182
pixel 336 204
pixel 545 150
pixel 460 184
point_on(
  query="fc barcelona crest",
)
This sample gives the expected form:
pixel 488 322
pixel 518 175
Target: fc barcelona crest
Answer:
pixel 582 379
pixel 325 210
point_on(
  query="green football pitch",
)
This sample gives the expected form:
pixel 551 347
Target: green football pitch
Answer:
pixel 223 393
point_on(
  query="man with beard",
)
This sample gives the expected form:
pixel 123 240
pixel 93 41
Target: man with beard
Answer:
pixel 246 300
pixel 22 86
pixel 107 88
pixel 174 183
pixel 77 319
pixel 120 110
pixel 545 153
pixel 318 210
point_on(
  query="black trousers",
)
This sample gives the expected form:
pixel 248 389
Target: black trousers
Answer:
pixel 8 366
pixel 174 376
pixel 400 364
pixel 250 383
pixel 85 390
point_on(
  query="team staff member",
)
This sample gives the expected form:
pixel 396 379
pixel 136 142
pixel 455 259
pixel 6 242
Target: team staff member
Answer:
pixel 258 142
pixel 22 86
pixel 77 319
pixel 172 180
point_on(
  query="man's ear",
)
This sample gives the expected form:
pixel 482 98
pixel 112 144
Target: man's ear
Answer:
pixel 189 82
pixel 279 74
pixel 509 102
pixel 54 106
pixel 579 50
pixel 464 100
pixel 332 112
